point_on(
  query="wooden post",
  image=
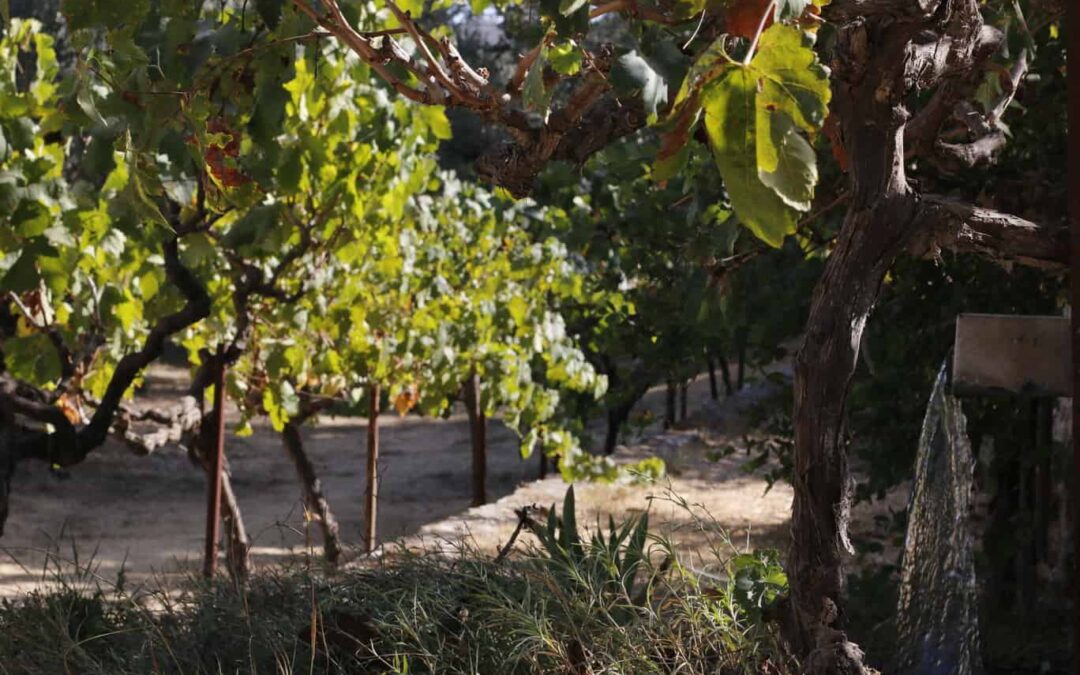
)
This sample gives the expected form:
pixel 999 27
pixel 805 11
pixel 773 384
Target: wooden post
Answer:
pixel 714 391
pixel 669 404
pixel 215 465
pixel 478 436
pixel 725 371
pixel 740 347
pixel 372 494
pixel 1072 31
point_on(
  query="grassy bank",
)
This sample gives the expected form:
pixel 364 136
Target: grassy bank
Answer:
pixel 616 599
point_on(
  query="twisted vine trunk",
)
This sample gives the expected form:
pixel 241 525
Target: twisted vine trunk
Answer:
pixel 315 500
pixel 237 543
pixel 740 351
pixel 884 52
pixel 725 372
pixel 876 228
pixel 870 238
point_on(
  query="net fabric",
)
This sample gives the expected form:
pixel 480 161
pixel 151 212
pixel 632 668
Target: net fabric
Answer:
pixel 937 617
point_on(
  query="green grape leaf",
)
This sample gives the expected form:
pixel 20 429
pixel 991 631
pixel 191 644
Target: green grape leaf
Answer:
pixel 534 94
pixel 270 11
pixel 31 218
pixel 23 275
pixel 567 17
pixel 518 309
pixel 565 57
pixel 730 112
pixel 32 358
pixel 253 227
pixel 268 112
pixel 103 13
pixel 786 161
pixel 792 79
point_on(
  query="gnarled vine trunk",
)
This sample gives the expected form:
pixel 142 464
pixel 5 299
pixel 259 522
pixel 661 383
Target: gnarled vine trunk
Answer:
pixel 876 227
pixel 315 500
pixel 237 542
pixel 885 51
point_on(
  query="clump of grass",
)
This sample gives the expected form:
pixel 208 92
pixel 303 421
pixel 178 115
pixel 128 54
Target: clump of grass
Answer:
pixel 618 600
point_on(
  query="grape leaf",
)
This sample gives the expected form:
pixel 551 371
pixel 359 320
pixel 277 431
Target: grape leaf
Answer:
pixel 792 79
pixel 534 94
pixel 270 11
pixel 32 358
pixel 786 161
pixel 565 58
pixel 730 112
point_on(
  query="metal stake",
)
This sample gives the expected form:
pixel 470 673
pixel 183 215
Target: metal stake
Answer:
pixel 215 466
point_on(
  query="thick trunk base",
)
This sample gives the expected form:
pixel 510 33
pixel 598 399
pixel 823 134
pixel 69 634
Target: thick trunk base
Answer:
pixel 315 500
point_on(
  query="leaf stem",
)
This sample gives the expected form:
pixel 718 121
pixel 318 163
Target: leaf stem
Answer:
pixel 769 9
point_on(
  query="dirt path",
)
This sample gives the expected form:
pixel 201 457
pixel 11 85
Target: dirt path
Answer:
pixel 146 514
pixel 703 499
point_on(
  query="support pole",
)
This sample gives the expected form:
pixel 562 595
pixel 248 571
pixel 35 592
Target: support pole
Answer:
pixel 216 466
pixel 372 494
pixel 478 437
pixel 670 401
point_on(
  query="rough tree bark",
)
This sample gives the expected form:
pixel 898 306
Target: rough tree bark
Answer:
pixel 616 417
pixel 714 392
pixel 237 542
pixel 371 495
pixel 885 51
pixel 725 372
pixel 670 398
pixel 317 504
pixel 632 389
pixel 478 438
pixel 740 351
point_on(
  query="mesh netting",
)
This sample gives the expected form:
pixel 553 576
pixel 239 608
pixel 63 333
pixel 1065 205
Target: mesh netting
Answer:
pixel 937 619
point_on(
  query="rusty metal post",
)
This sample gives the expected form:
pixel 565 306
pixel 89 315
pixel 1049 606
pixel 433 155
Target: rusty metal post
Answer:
pixel 1072 32
pixel 372 495
pixel 215 467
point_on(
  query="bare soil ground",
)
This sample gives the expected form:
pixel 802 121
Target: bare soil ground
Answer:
pixel 145 515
